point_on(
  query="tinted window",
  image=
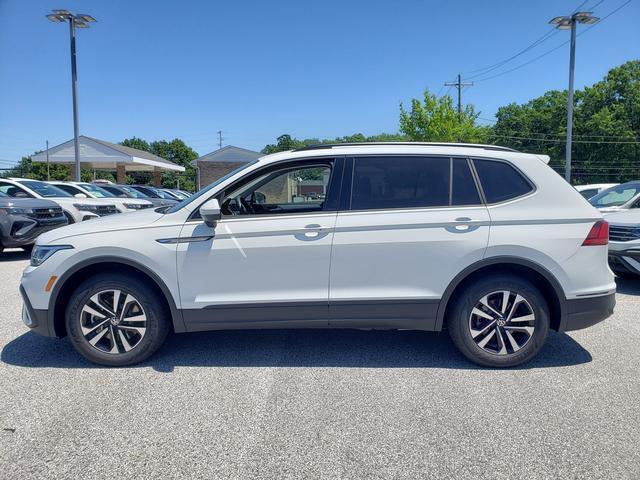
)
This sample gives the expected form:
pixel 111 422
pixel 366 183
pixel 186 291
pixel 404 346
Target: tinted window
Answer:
pixel 69 189
pixel 500 181
pixel 590 192
pixel 463 187
pixel 400 182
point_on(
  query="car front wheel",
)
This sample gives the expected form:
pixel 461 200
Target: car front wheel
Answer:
pixel 116 320
pixel 499 321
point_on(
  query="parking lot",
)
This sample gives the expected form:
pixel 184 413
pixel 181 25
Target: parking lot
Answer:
pixel 320 404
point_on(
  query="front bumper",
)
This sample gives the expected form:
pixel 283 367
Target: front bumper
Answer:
pixel 585 312
pixel 625 261
pixel 21 230
pixel 36 320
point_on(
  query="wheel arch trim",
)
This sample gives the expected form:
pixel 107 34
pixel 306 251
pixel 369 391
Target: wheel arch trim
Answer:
pixel 176 314
pixel 507 260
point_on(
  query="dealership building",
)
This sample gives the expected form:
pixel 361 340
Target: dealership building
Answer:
pixel 218 163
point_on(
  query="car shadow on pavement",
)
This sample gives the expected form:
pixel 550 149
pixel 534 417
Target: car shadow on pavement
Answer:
pixel 14 255
pixel 292 348
pixel 628 285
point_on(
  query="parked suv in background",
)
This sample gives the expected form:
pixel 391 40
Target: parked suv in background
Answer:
pixel 484 241
pixel 624 242
pixel 75 209
pixel 125 191
pixel 153 192
pixel 23 219
pixel 95 192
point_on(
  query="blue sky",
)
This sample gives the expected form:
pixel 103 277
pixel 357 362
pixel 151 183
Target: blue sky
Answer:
pixel 255 69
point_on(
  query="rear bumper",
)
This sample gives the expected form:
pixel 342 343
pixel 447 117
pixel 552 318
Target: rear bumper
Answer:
pixel 585 312
pixel 36 320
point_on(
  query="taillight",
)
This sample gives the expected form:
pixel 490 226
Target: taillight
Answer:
pixel 598 235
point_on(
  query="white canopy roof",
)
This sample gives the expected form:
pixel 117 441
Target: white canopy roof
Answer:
pixel 101 155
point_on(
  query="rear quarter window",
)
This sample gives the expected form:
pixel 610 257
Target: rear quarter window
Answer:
pixel 500 181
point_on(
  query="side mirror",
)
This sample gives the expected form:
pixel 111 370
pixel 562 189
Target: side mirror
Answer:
pixel 210 212
pixel 80 195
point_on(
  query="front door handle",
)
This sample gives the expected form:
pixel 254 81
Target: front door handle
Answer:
pixel 314 227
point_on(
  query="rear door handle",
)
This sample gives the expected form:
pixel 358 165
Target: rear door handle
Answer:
pixel 314 227
pixel 462 224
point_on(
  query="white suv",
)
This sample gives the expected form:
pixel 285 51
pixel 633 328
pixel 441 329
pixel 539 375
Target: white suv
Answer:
pixel 75 209
pixel 484 241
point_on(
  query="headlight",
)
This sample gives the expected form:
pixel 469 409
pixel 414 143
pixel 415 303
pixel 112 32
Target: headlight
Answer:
pixel 16 211
pixel 86 208
pixel 41 252
pixel 136 206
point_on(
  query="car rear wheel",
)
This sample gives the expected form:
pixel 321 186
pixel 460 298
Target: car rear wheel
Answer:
pixel 499 321
pixel 116 320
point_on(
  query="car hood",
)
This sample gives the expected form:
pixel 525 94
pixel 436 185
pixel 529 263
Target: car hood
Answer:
pixel 625 217
pixel 27 203
pixel 110 223
pixel 68 201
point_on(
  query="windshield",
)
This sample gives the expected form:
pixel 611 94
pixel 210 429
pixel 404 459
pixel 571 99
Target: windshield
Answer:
pixel 44 189
pixel 131 192
pixel 162 193
pixel 206 190
pixel 96 191
pixel 616 196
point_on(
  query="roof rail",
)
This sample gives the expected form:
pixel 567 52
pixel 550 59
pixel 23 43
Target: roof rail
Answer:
pixel 319 146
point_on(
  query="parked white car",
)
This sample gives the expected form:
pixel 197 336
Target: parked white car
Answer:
pixel 486 242
pixel 620 197
pixel 624 242
pixel 588 191
pixel 75 209
pixel 90 190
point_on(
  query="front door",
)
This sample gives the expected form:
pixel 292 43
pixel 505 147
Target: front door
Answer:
pixel 268 258
pixel 410 225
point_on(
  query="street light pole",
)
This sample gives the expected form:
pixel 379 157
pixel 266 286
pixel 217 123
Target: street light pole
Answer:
pixel 74 93
pixel 81 21
pixel 566 23
pixel 572 60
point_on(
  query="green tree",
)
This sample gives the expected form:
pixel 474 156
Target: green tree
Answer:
pixel 606 127
pixel 434 119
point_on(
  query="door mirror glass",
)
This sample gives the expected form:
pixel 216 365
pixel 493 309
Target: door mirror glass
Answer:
pixel 210 212
pixel 80 195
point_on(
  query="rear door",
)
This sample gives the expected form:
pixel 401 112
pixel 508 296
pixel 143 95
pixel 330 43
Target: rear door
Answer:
pixel 407 226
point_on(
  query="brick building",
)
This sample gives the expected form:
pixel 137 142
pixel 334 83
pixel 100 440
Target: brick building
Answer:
pixel 218 163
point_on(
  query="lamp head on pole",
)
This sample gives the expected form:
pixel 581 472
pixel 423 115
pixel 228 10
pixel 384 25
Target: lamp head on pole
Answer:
pixel 565 22
pixel 81 20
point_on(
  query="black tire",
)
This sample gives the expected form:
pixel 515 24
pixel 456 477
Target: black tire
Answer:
pixel 70 219
pixel 460 321
pixel 157 323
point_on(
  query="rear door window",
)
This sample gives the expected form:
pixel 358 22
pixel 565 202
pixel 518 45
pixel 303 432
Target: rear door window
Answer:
pixel 463 186
pixel 400 182
pixel 500 181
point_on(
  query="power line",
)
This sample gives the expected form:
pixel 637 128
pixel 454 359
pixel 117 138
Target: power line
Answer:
pixel 557 140
pixel 553 49
pixel 482 71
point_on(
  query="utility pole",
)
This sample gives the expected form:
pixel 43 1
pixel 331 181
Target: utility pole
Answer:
pixel 569 23
pixel 219 139
pixel 459 84
pixel 48 161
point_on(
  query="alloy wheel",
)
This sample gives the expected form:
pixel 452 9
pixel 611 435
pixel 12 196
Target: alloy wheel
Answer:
pixel 113 321
pixel 502 322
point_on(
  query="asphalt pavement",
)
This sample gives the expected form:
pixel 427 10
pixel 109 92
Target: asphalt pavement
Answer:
pixel 320 404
